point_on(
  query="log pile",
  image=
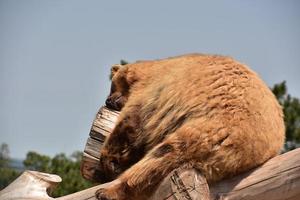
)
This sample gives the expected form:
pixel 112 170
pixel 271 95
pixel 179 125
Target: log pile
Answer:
pixel 270 181
pixel 277 179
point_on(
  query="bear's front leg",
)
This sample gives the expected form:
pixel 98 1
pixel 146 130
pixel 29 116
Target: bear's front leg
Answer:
pixel 140 180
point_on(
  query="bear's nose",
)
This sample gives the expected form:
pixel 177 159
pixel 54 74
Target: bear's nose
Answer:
pixel 109 103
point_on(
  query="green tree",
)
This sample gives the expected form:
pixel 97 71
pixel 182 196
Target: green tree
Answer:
pixel 4 155
pixel 7 175
pixel 37 162
pixel 124 62
pixel 69 170
pixel 291 110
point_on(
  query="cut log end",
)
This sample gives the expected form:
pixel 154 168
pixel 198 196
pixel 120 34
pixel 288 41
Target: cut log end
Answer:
pixel 102 126
pixel 49 178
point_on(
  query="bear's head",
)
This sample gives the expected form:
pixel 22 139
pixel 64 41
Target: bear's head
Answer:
pixel 121 81
pixel 118 153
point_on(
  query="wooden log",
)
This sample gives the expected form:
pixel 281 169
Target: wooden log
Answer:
pixel 102 126
pixel 103 123
pixel 93 147
pixel 277 179
pixel 30 185
pixel 182 184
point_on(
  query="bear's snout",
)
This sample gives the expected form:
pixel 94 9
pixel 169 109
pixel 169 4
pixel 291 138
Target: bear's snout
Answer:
pixel 109 103
pixel 115 101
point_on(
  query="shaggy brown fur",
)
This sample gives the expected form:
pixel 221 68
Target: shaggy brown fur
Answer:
pixel 209 112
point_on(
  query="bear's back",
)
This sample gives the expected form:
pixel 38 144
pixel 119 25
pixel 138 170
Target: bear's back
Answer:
pixel 214 89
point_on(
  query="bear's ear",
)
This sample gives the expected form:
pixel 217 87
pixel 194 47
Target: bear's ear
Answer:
pixel 114 69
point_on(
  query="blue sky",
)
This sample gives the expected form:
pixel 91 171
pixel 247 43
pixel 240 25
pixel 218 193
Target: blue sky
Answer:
pixel 55 56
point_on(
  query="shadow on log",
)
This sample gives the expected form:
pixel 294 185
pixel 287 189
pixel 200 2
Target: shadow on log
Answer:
pixel 277 179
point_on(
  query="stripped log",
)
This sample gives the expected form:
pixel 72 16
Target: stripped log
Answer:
pixel 31 185
pixel 277 179
pixel 102 126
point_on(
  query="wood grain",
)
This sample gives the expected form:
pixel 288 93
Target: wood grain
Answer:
pixel 102 126
pixel 93 147
pixel 277 179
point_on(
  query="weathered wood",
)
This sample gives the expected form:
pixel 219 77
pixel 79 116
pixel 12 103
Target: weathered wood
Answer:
pixel 30 185
pixel 93 147
pixel 102 126
pixel 277 179
pixel 103 123
pixel 182 184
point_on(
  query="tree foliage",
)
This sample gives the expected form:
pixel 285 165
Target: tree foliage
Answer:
pixel 7 175
pixel 4 155
pixel 291 110
pixel 124 62
pixel 37 162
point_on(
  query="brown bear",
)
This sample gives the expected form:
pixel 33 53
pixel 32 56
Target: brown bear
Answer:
pixel 209 112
